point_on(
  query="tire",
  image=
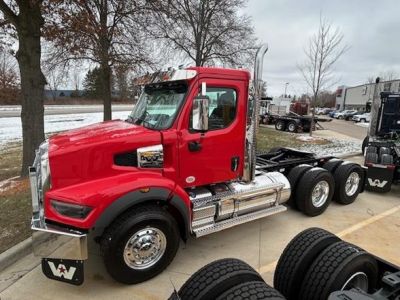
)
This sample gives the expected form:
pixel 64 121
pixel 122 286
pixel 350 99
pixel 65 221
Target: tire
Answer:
pixel 372 149
pixel 139 221
pixel 294 176
pixel 280 125
pixel 254 290
pixel 383 150
pixel 216 278
pixel 364 144
pixel 307 184
pixel 371 158
pixel 347 173
pixel 292 127
pixel 362 120
pixel 340 117
pixel 332 164
pixel 334 267
pixel 387 159
pixel 297 258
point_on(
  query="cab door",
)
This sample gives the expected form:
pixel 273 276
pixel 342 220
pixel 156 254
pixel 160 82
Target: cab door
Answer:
pixel 215 155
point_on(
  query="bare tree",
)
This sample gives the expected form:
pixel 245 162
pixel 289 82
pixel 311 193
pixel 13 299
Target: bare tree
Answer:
pixel 56 76
pixel 24 21
pixel 388 75
pixel 104 32
pixel 322 52
pixel 9 80
pixel 207 31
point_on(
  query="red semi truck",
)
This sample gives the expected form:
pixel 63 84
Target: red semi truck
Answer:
pixel 184 164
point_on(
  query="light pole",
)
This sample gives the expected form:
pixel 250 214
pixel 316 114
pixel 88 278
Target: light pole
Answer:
pixel 286 84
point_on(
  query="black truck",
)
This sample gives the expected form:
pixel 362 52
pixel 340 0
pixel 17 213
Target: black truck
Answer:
pixel 381 147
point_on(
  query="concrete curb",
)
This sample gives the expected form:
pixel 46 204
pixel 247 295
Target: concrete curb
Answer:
pixel 15 253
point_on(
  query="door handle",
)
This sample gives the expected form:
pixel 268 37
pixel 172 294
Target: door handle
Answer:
pixel 194 146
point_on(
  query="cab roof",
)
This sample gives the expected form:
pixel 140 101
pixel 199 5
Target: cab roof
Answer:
pixel 239 74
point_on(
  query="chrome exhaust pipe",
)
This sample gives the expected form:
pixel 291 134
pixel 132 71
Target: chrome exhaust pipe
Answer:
pixel 254 107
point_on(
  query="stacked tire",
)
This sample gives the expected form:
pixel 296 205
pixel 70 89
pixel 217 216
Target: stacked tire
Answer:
pixel 317 263
pixel 226 279
pixel 381 155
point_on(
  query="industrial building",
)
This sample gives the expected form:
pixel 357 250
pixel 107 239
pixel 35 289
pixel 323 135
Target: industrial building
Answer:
pixel 360 97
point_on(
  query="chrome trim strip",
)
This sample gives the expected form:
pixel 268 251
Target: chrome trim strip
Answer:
pixel 208 229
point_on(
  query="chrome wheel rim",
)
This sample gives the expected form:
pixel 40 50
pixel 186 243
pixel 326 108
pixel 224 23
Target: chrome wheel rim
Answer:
pixel 145 248
pixel 352 183
pixel 291 127
pixel 358 280
pixel 320 193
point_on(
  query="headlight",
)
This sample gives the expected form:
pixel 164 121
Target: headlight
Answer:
pixel 71 210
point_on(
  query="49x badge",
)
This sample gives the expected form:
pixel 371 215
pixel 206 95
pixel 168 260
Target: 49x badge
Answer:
pixel 65 270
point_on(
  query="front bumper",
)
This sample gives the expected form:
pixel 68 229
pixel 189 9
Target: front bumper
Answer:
pixel 51 241
pixel 48 240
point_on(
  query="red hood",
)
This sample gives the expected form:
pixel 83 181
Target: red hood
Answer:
pixel 88 152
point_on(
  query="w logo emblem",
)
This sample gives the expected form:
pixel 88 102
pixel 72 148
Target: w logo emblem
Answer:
pixel 61 271
pixel 377 183
pixel 65 270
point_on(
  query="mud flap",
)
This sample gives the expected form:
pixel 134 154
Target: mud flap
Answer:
pixel 379 178
pixel 65 270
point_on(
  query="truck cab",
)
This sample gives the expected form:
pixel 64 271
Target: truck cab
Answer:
pixel 183 164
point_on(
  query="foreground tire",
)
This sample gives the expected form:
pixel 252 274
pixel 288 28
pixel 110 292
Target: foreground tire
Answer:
pixel 254 290
pixel 315 191
pixel 341 266
pixel 297 258
pixel 280 125
pixel 140 244
pixel 294 177
pixel 216 278
pixel 348 179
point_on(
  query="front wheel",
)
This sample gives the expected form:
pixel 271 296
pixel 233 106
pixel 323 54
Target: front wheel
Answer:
pixel 140 244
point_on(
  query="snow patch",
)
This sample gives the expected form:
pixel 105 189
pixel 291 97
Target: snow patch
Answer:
pixel 7 184
pixel 365 125
pixel 307 138
pixel 11 131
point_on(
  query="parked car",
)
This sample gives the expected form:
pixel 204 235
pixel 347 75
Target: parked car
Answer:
pixel 332 113
pixel 345 115
pixel 366 117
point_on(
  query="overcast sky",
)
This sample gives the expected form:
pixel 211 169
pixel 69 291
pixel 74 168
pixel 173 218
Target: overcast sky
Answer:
pixel 370 28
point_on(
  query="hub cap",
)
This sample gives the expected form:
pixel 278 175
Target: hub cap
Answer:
pixel 358 280
pixel 145 248
pixel 320 193
pixel 352 184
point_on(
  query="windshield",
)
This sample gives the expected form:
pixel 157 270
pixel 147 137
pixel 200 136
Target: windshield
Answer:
pixel 158 105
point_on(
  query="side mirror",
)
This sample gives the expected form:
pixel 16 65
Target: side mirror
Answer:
pixel 200 113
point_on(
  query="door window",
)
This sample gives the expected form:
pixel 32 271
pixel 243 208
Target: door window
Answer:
pixel 222 107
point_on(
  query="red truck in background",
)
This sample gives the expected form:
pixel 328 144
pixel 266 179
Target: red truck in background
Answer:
pixel 184 164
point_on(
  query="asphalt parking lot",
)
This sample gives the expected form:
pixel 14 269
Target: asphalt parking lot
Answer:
pixel 372 222
pixel 348 128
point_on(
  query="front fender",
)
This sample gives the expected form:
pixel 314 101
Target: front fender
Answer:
pixel 109 197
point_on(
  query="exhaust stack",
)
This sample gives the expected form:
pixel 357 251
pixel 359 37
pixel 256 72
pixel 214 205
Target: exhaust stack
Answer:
pixel 253 115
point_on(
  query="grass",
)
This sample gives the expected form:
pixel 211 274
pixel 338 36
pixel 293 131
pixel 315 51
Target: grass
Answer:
pixel 268 138
pixel 15 201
